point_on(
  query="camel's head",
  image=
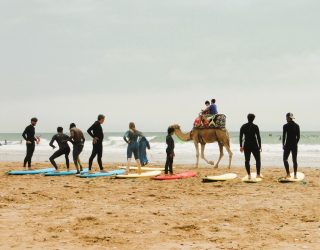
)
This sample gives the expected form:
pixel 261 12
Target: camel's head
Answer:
pixel 175 126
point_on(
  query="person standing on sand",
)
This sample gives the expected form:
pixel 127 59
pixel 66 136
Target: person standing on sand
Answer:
pixel 143 146
pixel 64 149
pixel 252 144
pixel 169 151
pixel 131 138
pixel 29 135
pixel 96 132
pixel 77 139
pixel 290 140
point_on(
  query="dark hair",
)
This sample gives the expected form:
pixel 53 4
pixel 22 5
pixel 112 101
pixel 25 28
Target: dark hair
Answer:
pixel 59 129
pixel 34 119
pixel 100 117
pixel 251 117
pixel 170 130
pixel 213 100
pixel 207 102
pixel 72 125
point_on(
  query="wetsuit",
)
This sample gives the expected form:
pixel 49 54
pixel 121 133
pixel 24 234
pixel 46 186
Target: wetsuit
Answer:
pixel 252 144
pixel 143 145
pixel 170 155
pixel 29 135
pixel 131 138
pixel 77 139
pixel 64 149
pixel 95 131
pixel 290 139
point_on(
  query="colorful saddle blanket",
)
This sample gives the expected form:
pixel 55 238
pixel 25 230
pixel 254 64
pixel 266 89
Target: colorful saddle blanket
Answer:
pixel 210 121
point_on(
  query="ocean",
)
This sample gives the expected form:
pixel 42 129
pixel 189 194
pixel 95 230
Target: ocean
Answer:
pixel 13 149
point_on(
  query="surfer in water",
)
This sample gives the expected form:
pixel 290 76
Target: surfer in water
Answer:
pixel 64 149
pixel 96 132
pixel 29 135
pixel 251 145
pixel 77 139
pixel 169 151
pixel 131 138
pixel 290 140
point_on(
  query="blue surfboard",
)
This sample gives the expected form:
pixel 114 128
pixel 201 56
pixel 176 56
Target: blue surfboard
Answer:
pixel 98 174
pixel 25 172
pixel 64 173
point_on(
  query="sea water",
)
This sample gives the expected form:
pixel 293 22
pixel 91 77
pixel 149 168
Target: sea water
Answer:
pixel 13 149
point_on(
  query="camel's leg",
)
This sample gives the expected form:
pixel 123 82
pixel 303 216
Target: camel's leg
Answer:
pixel 197 154
pixel 230 154
pixel 220 156
pixel 202 155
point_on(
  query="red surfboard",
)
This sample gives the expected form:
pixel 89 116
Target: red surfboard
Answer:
pixel 175 176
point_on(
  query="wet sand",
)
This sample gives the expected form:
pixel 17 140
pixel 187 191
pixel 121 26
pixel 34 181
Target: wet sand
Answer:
pixel 38 212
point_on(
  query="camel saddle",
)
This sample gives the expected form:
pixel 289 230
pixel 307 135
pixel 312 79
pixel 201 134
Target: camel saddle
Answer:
pixel 210 121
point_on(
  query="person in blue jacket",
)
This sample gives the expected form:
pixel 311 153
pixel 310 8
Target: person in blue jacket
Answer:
pixel 143 145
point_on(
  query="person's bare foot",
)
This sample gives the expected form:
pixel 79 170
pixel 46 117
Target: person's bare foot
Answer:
pixel 249 176
pixel 259 176
pixel 287 176
pixel 295 176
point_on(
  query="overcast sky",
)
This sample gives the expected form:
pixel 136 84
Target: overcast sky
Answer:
pixel 156 62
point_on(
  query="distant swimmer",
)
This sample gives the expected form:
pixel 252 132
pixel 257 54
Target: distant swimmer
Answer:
pixel 252 144
pixel 77 139
pixel 96 132
pixel 290 140
pixel 30 138
pixel 64 149
pixel 131 138
pixel 170 152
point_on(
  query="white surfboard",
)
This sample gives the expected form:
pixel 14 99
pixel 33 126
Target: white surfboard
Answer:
pixel 300 177
pixel 253 179
pixel 144 168
pixel 142 175
pixel 223 177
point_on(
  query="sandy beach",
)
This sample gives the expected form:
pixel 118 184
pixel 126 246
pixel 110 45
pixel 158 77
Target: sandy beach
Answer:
pixel 38 212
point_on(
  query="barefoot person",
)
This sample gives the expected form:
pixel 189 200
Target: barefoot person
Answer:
pixel 96 132
pixel 77 139
pixel 290 140
pixel 64 149
pixel 131 138
pixel 29 135
pixel 169 151
pixel 252 144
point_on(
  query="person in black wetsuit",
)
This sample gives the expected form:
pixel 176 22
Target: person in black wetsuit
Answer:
pixel 96 132
pixel 77 139
pixel 29 135
pixel 131 138
pixel 169 151
pixel 290 140
pixel 252 144
pixel 64 149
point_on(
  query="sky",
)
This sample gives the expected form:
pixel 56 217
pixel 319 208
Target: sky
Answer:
pixel 157 62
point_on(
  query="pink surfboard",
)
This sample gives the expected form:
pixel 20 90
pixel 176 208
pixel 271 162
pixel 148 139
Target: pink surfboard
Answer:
pixel 175 176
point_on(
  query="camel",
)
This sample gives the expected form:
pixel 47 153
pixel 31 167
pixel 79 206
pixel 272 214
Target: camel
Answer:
pixel 204 136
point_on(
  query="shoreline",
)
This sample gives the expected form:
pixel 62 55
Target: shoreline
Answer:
pixel 106 213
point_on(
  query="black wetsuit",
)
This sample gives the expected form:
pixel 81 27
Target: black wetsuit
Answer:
pixel 95 131
pixel 252 144
pixel 290 139
pixel 64 149
pixel 29 135
pixel 170 155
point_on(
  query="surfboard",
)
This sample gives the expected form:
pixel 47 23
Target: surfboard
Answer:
pixel 144 168
pixel 25 172
pixel 253 179
pixel 99 174
pixel 300 177
pixel 183 175
pixel 142 175
pixel 224 177
pixel 64 173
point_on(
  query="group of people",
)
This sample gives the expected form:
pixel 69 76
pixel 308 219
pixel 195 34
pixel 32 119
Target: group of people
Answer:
pixel 137 144
pixel 250 143
pixel 207 115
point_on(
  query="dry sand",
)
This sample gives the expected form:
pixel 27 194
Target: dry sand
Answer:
pixel 38 212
